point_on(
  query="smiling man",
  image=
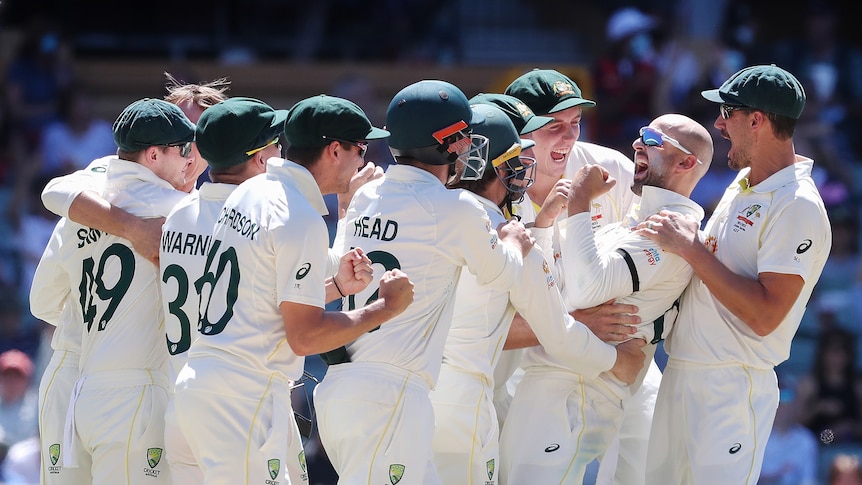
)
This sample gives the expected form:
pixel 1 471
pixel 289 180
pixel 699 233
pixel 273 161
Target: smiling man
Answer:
pixel 614 263
pixel 559 154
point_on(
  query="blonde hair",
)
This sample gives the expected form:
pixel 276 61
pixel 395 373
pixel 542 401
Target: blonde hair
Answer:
pixel 201 95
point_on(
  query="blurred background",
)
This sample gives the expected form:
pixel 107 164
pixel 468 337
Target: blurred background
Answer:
pixel 69 68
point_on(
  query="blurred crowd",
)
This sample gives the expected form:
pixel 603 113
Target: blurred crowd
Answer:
pixel 649 62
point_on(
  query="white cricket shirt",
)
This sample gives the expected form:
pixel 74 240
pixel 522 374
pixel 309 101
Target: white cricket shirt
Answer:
pixel 778 226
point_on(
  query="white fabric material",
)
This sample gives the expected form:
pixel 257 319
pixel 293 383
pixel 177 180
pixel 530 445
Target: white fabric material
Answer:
pixel 781 226
pixel 409 218
pixel 273 224
pixel 765 228
pixel 608 208
pixel 186 240
pixel 60 192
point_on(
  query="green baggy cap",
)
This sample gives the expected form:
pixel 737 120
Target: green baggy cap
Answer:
pixel 227 131
pixel 766 88
pixel 151 122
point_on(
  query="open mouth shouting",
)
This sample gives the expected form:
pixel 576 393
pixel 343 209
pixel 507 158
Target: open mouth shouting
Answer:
pixel 641 168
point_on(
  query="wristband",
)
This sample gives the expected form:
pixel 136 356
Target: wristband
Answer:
pixel 335 282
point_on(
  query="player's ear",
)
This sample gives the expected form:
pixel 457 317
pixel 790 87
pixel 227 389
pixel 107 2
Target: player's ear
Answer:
pixel 151 156
pixel 689 162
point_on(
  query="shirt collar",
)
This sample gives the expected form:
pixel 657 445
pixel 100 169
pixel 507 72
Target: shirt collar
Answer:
pixel 787 175
pixel 298 176
pixel 655 199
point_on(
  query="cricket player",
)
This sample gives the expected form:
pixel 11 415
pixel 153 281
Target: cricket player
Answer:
pixel 121 391
pixel 466 436
pixel 263 291
pixel 585 412
pixel 51 301
pixel 762 252
pixel 76 195
pixel 374 414
pixel 229 135
pixel 560 154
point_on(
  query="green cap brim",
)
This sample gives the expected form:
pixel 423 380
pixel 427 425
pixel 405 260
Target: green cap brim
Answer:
pixel 377 133
pixel 535 123
pixel 571 103
pixel 714 95
pixel 280 118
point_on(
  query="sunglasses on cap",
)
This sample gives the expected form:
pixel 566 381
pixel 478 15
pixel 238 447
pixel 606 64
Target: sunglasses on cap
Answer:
pixel 185 148
pixel 654 138
pixel 361 145
pixel 728 109
pixel 273 142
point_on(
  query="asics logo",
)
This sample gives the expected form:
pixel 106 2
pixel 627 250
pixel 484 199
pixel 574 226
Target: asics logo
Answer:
pixel 303 271
pixel 554 447
pixel 804 246
pixel 733 449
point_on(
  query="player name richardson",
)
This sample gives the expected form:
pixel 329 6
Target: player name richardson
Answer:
pixel 185 243
pixel 238 222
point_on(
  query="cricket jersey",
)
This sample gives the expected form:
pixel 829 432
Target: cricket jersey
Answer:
pixel 269 246
pixel 778 226
pixel 411 221
pixel 186 240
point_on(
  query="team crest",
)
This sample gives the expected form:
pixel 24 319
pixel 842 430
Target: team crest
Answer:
pixel 596 216
pixel 523 109
pixel 751 212
pixel 396 472
pixel 54 453
pixel 274 466
pixel 549 278
pixel 489 465
pixel 154 456
pixel 752 209
pixel 562 88
pixel 711 244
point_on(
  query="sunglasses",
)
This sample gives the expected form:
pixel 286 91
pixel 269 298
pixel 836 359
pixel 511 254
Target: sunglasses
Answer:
pixel 728 109
pixel 654 138
pixel 252 152
pixel 185 148
pixel 361 145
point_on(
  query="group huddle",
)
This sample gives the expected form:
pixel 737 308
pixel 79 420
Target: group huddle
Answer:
pixel 503 288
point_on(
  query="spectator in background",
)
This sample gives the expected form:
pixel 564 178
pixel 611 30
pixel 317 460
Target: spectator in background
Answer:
pixel 35 79
pixel 625 78
pixel 14 334
pixel 32 231
pixel 22 463
pixel 845 470
pixel 791 452
pixel 839 289
pixel 830 396
pixel 6 159
pixel 18 397
pixel 78 137
pixel 832 70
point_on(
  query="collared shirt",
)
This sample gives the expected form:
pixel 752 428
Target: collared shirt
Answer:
pixel 620 264
pixel 269 246
pixel 409 220
pixel 779 226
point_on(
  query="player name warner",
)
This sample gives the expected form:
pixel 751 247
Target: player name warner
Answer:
pixel 185 243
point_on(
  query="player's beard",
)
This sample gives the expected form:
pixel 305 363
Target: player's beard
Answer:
pixel 653 176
